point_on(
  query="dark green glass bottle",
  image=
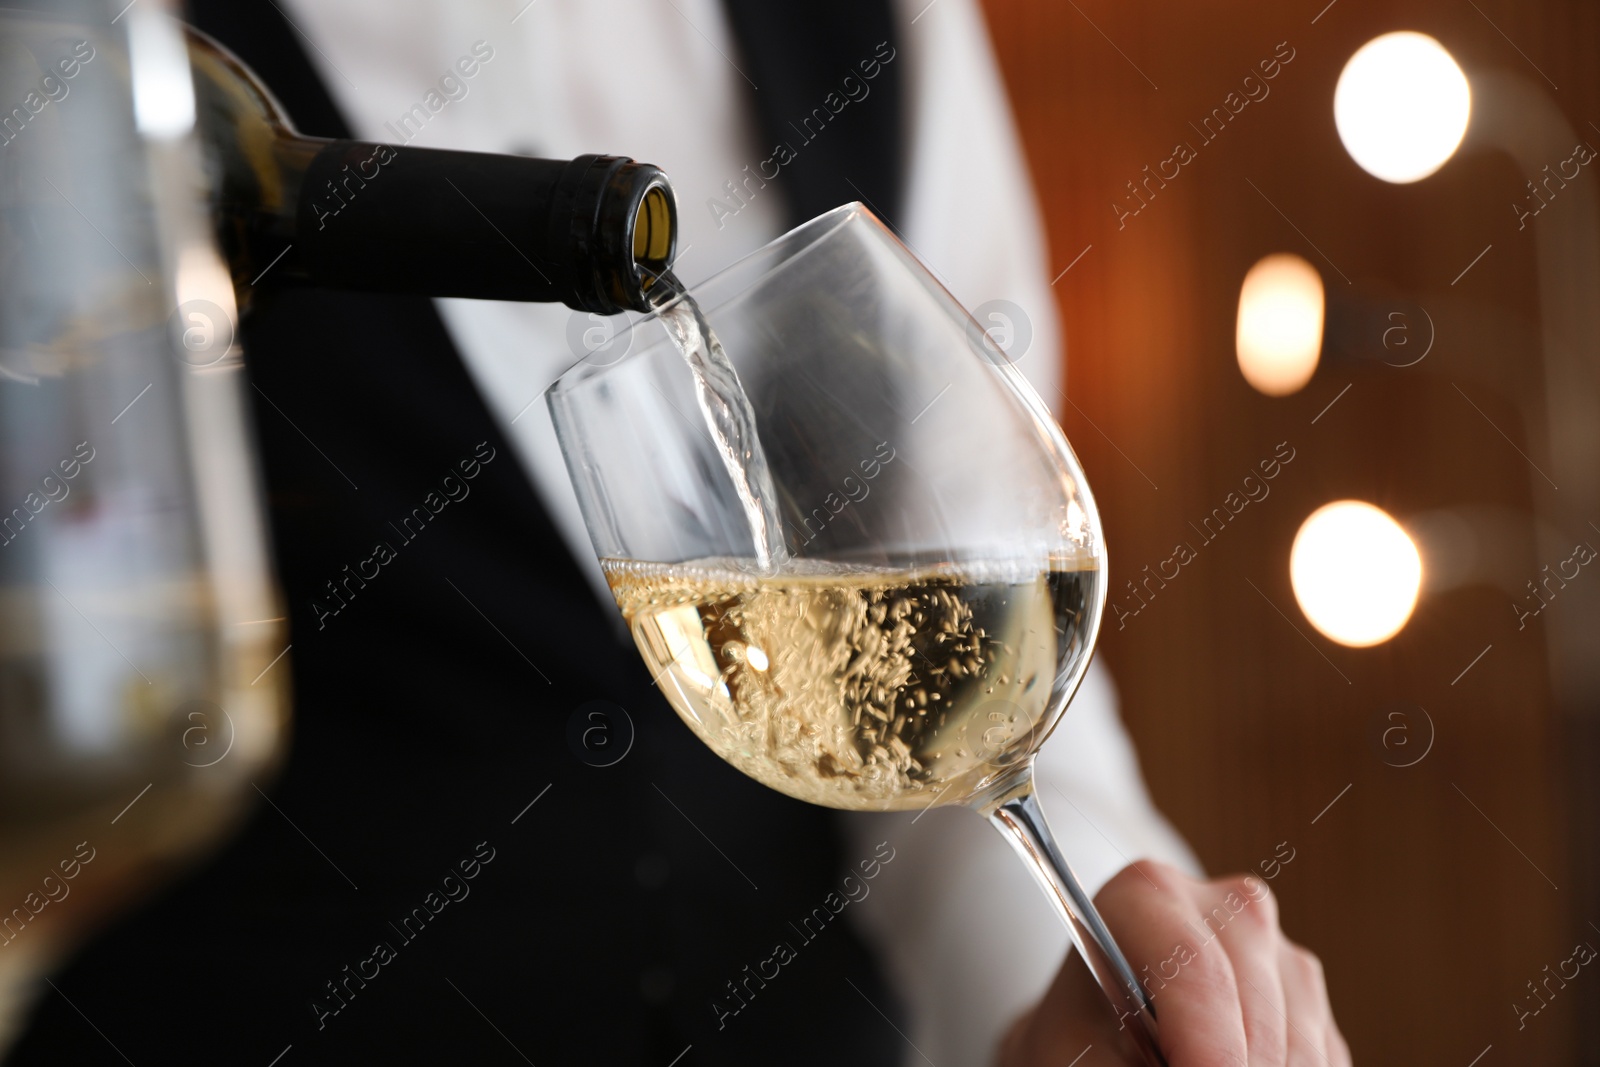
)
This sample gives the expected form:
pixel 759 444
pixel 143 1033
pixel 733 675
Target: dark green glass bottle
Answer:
pixel 593 232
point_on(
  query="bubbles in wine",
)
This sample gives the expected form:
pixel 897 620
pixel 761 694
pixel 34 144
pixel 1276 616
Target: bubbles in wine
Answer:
pixel 857 687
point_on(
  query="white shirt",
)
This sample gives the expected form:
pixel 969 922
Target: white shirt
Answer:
pixel 965 936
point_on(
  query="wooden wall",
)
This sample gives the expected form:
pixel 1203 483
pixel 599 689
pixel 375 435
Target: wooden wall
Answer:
pixel 1430 918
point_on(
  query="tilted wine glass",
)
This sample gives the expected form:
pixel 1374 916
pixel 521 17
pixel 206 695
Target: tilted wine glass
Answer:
pixel 895 613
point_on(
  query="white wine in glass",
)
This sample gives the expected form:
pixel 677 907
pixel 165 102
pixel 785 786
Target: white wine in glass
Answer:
pixel 873 690
pixel 852 545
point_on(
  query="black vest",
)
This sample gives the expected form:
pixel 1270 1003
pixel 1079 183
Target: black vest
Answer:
pixel 632 913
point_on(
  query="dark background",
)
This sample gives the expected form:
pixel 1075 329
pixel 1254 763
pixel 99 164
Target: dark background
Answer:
pixel 1429 921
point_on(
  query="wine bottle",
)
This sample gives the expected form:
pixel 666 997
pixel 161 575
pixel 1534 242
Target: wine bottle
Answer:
pixel 593 232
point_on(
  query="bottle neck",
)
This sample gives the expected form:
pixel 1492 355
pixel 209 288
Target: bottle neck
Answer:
pixel 592 232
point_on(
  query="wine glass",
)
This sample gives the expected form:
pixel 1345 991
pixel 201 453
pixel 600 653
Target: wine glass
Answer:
pixel 141 688
pixel 895 612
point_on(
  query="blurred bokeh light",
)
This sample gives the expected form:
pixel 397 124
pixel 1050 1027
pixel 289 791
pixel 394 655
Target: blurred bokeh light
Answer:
pixel 1402 106
pixel 1355 573
pixel 1279 333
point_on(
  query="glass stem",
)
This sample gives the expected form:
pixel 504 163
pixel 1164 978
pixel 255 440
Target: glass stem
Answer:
pixel 1020 820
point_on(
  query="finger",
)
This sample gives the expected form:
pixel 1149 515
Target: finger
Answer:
pixel 1151 912
pixel 1338 1050
pixel 1315 1039
pixel 1072 1019
pixel 1240 917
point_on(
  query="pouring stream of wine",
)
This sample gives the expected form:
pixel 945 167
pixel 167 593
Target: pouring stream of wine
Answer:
pixel 727 414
